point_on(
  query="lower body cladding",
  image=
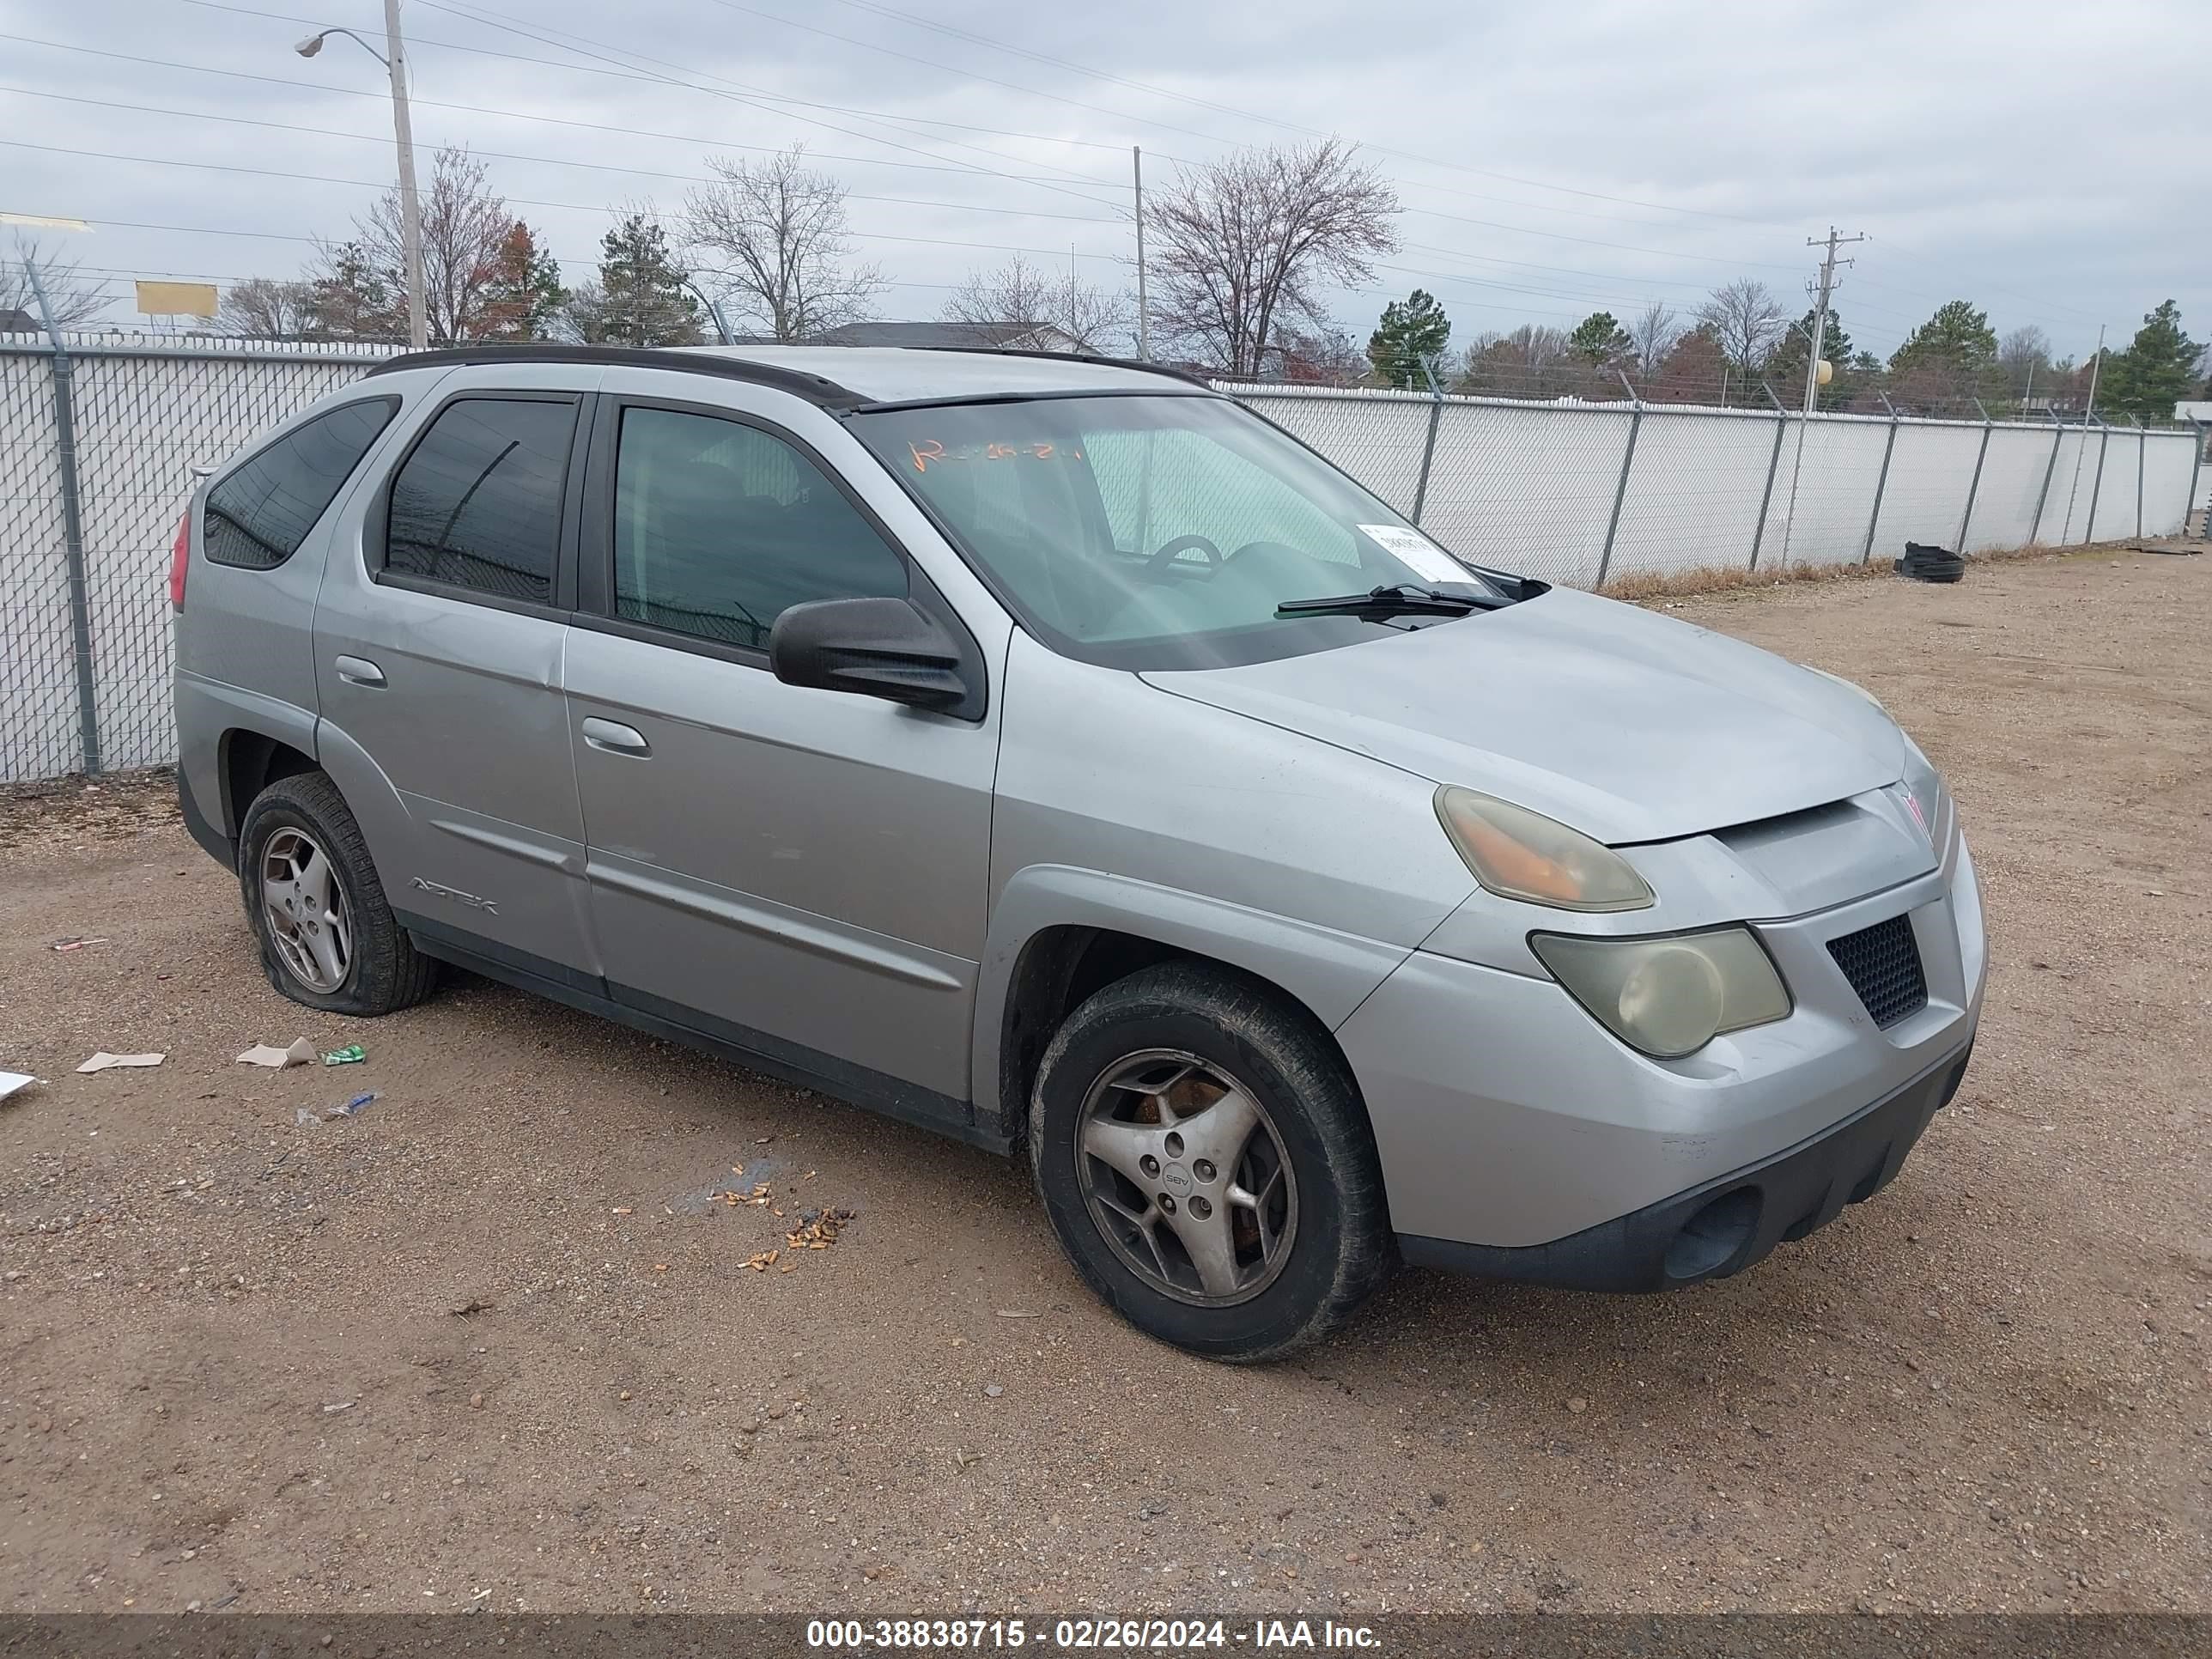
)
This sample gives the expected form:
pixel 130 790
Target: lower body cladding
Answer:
pixel 1520 1139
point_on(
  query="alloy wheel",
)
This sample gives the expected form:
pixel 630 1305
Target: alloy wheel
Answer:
pixel 1185 1177
pixel 305 908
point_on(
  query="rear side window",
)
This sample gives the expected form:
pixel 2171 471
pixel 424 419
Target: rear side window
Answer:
pixel 477 504
pixel 258 515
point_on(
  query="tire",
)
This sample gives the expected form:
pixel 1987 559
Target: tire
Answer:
pixel 381 969
pixel 1930 564
pixel 1331 1222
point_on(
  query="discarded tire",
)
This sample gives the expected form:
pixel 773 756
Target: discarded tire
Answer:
pixel 1930 564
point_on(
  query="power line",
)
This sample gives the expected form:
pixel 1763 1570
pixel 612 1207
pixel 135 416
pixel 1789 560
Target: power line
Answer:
pixel 751 97
pixel 579 45
pixel 931 63
pixel 1480 223
pixel 941 165
pixel 523 201
pixel 1123 115
pixel 293 236
pixel 882 10
pixel 473 109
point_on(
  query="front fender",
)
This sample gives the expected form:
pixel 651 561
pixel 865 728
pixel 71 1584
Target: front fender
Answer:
pixel 1330 972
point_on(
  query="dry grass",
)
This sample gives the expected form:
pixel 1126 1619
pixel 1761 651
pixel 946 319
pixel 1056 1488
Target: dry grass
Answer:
pixel 1723 578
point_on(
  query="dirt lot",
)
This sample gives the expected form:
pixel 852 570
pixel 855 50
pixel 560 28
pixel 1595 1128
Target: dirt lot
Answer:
pixel 493 1342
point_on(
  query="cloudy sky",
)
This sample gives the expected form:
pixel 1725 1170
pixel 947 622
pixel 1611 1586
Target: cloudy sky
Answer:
pixel 2049 163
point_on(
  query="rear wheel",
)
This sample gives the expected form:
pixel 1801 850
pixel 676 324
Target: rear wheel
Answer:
pixel 1206 1163
pixel 328 938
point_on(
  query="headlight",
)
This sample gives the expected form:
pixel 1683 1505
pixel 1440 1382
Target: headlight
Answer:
pixel 1668 997
pixel 1520 854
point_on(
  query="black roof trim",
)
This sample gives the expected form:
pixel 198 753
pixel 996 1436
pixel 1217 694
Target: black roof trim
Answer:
pixel 815 388
pixel 1141 366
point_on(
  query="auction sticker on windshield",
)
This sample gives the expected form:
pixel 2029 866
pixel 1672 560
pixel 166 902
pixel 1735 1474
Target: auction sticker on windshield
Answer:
pixel 1416 552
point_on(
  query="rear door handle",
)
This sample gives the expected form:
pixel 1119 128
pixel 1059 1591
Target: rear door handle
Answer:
pixel 359 671
pixel 613 738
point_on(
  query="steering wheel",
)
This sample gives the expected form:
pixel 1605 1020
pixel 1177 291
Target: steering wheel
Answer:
pixel 1166 557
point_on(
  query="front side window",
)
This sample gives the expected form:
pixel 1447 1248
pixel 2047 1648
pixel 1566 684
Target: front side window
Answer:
pixel 720 527
pixel 1157 531
pixel 258 515
pixel 477 502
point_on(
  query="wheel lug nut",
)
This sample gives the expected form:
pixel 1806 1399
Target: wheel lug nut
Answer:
pixel 1203 1169
pixel 1167 1203
pixel 1149 1164
pixel 1201 1208
pixel 1175 1146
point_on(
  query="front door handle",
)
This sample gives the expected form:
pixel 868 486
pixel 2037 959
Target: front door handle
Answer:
pixel 613 738
pixel 359 671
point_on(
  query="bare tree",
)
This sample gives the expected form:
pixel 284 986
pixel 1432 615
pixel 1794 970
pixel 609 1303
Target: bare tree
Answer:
pixel 1241 247
pixel 1746 322
pixel 267 308
pixel 2024 355
pixel 73 298
pixel 1652 335
pixel 1321 356
pixel 484 277
pixel 1096 319
pixel 1532 362
pixel 771 235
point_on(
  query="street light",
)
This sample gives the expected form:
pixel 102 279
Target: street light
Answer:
pixel 411 205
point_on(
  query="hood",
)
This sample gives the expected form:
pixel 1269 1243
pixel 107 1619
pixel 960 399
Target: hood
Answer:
pixel 1629 726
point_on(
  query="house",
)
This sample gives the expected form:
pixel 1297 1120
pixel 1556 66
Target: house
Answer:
pixel 18 322
pixel 1004 337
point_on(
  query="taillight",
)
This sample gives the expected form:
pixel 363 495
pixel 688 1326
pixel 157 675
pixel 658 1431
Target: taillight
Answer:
pixel 179 554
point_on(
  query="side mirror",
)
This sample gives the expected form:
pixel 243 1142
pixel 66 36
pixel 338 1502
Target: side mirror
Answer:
pixel 887 648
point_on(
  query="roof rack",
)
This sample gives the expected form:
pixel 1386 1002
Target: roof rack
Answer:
pixel 1137 364
pixel 815 388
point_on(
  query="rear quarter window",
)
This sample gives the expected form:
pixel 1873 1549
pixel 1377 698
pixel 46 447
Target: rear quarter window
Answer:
pixel 258 515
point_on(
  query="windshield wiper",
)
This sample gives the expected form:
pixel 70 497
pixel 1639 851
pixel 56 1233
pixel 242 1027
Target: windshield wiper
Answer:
pixel 1404 598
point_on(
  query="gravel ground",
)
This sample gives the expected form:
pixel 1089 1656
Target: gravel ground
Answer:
pixel 494 1342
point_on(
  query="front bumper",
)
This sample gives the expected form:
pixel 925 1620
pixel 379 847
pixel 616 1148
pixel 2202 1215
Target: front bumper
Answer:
pixel 1517 1136
pixel 1728 1224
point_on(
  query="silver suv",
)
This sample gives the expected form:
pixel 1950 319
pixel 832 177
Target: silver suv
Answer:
pixel 1055 754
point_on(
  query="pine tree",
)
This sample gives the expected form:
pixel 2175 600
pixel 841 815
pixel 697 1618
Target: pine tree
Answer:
pixel 1957 337
pixel 2153 373
pixel 1600 338
pixel 1412 331
pixel 641 297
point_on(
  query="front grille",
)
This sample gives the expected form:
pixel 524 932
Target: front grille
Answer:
pixel 1883 965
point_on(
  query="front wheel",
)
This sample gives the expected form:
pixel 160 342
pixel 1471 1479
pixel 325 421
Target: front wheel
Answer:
pixel 1204 1160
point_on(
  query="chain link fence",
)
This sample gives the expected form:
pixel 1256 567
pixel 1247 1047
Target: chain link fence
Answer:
pixel 98 442
pixel 100 435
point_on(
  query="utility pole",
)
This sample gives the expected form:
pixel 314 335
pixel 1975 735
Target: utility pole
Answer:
pixel 1827 288
pixel 1824 292
pixel 410 204
pixel 2074 489
pixel 1144 311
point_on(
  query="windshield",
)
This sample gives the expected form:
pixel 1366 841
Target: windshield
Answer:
pixel 1159 532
